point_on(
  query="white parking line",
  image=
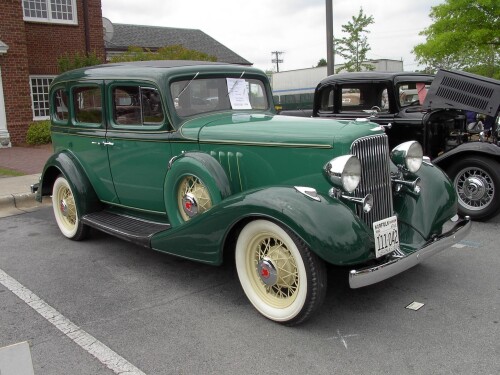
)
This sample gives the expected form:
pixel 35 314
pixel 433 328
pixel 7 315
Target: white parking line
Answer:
pixel 89 343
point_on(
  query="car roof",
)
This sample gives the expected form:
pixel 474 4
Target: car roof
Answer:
pixel 152 70
pixel 379 76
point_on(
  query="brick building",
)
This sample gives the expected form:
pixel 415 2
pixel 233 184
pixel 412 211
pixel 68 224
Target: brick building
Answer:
pixel 33 34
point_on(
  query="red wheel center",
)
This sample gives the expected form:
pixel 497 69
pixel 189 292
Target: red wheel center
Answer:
pixel 188 205
pixel 265 273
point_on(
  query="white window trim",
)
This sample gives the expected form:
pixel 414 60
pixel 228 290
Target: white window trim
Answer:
pixel 38 118
pixel 49 19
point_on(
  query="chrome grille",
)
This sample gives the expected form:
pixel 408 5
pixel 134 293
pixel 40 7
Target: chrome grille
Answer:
pixel 373 152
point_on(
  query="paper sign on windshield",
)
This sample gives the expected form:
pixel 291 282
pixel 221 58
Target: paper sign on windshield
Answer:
pixel 238 93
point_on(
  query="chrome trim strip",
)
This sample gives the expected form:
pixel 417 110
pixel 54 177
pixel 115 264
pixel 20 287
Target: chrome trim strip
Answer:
pixel 308 192
pixel 371 275
pixel 266 144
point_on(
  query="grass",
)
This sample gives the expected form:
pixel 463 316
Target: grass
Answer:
pixel 10 173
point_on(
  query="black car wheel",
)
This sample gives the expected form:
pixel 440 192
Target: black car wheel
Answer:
pixel 477 182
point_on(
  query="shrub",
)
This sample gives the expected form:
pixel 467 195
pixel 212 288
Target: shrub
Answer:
pixel 38 133
pixel 67 62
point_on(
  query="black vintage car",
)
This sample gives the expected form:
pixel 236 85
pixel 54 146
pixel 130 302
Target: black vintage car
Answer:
pixel 469 154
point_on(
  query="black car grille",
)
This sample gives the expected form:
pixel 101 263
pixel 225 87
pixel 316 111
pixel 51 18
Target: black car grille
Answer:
pixel 373 152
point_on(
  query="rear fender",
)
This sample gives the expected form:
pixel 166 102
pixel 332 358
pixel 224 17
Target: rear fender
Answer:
pixel 66 164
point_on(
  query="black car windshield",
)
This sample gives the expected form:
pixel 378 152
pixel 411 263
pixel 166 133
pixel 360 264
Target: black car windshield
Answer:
pixel 195 96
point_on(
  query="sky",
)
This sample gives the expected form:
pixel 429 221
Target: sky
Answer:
pixel 253 29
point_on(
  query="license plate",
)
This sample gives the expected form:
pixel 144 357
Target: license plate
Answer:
pixel 386 236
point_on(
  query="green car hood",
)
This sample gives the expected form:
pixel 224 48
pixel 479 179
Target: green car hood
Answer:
pixel 276 130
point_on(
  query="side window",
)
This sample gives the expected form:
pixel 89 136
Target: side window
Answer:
pixel 152 113
pixel 87 105
pixel 326 104
pixel 135 105
pixel 61 102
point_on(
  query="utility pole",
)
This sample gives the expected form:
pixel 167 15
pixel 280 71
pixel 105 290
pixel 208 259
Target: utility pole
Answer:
pixel 277 60
pixel 330 53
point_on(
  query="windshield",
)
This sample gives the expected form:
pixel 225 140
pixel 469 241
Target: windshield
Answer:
pixel 196 96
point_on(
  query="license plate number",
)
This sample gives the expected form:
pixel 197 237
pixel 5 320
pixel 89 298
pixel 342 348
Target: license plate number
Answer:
pixel 386 236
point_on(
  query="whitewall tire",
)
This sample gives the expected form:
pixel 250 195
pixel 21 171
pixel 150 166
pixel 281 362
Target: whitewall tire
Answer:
pixel 280 276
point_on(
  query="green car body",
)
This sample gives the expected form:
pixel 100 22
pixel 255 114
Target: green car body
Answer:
pixel 126 144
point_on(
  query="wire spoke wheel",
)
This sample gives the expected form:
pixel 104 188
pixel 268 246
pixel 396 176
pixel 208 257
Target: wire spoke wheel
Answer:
pixel 476 180
pixel 475 188
pixel 66 212
pixel 269 248
pixel 280 276
pixel 192 187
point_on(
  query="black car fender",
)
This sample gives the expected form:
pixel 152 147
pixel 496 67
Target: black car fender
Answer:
pixel 470 148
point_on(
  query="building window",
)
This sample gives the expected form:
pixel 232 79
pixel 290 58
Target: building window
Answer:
pixel 40 96
pixel 54 11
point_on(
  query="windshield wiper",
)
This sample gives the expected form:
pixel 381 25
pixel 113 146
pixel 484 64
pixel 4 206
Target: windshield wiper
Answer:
pixel 235 83
pixel 187 85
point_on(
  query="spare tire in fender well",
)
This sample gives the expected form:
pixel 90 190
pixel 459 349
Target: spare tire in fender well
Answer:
pixel 201 166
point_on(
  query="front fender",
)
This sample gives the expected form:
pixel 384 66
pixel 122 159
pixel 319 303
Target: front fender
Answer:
pixel 329 228
pixel 422 216
pixel 66 164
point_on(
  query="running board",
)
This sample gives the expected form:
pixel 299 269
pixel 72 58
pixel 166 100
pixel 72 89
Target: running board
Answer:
pixel 125 227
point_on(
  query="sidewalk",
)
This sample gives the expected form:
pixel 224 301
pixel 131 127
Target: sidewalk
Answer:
pixel 15 194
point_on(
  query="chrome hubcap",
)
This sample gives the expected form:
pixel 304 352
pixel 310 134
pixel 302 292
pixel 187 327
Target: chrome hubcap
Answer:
pixel 475 188
pixel 63 206
pixel 267 272
pixel 190 205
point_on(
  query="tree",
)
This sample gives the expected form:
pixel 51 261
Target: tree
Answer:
pixel 78 60
pixel 464 35
pixel 175 52
pixel 321 62
pixel 354 47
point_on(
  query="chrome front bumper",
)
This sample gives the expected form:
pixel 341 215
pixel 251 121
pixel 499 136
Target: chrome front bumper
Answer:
pixel 400 262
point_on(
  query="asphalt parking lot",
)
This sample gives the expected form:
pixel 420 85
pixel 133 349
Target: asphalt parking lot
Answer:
pixel 165 315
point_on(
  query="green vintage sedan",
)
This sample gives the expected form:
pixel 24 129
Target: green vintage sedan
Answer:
pixel 190 159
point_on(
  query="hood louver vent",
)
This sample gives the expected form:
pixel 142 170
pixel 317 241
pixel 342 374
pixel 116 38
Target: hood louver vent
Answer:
pixel 460 90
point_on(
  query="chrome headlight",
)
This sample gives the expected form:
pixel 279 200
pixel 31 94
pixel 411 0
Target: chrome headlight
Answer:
pixel 344 172
pixel 408 156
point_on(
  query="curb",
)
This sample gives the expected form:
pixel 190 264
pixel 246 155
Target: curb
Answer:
pixel 18 203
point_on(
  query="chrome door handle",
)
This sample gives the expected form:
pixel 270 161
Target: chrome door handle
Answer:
pixel 103 143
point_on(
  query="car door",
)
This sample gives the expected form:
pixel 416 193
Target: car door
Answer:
pixel 138 144
pixel 86 135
